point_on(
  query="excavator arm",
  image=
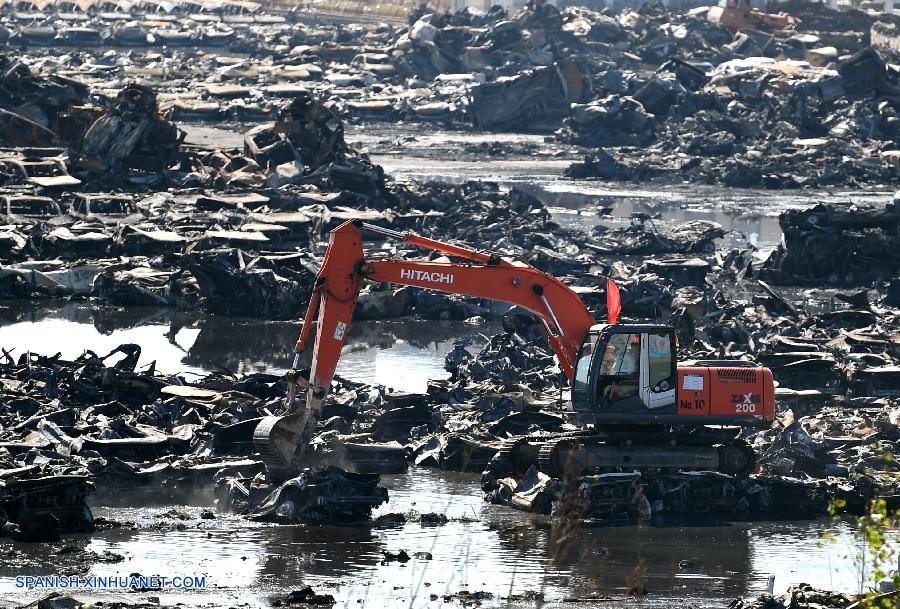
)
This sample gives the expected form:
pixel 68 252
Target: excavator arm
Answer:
pixel 481 274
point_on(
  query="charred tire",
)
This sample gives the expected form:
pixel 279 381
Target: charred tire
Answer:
pixel 737 458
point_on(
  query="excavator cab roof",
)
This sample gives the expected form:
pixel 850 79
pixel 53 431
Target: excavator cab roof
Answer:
pixel 630 328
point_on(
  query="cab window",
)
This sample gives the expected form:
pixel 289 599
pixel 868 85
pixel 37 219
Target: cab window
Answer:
pixel 662 369
pixel 622 355
pixel 582 382
pixel 618 376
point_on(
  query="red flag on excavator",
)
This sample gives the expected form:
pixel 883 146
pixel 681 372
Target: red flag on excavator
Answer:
pixel 613 301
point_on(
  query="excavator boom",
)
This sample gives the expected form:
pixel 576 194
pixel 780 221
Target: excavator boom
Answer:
pixel 482 275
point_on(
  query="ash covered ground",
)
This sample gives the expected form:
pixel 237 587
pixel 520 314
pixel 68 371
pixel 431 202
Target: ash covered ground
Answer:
pixel 192 159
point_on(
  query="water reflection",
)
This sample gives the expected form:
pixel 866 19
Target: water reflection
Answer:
pixel 654 558
pixel 758 224
pixel 293 554
pixel 402 354
pixel 751 213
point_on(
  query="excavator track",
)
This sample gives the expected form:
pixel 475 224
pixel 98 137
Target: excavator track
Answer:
pixel 518 453
pixel 546 461
pixel 575 455
pixel 548 455
pixel 510 460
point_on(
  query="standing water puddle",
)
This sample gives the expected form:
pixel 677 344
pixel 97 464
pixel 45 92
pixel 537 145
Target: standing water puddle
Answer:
pixel 414 152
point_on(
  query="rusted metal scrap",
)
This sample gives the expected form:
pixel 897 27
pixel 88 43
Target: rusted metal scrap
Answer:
pixel 320 496
pixel 30 105
pixel 132 134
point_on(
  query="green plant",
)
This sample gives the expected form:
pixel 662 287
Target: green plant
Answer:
pixel 879 546
pixel 879 528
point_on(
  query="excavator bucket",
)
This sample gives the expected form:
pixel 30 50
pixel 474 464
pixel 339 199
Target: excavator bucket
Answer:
pixel 282 442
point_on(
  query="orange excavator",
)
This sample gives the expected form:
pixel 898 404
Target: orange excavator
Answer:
pixel 636 406
pixel 740 15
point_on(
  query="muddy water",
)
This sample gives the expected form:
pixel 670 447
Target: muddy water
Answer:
pixel 530 163
pixel 483 548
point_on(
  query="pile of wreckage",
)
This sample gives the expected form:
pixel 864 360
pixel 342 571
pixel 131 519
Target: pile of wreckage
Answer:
pixel 805 596
pixel 750 122
pixel 98 424
pixel 675 97
pixel 254 249
pixel 671 95
pixel 103 199
pixel 149 23
pixel 95 425
pixel 97 420
pixel 128 213
pixel 839 245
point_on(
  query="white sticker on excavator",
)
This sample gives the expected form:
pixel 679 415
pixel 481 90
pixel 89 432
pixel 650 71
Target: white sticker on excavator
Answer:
pixel 693 382
pixel 339 330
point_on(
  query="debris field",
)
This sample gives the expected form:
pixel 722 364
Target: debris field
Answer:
pixel 104 198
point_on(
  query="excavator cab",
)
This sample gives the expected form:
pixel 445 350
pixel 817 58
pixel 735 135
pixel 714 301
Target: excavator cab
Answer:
pixel 626 371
